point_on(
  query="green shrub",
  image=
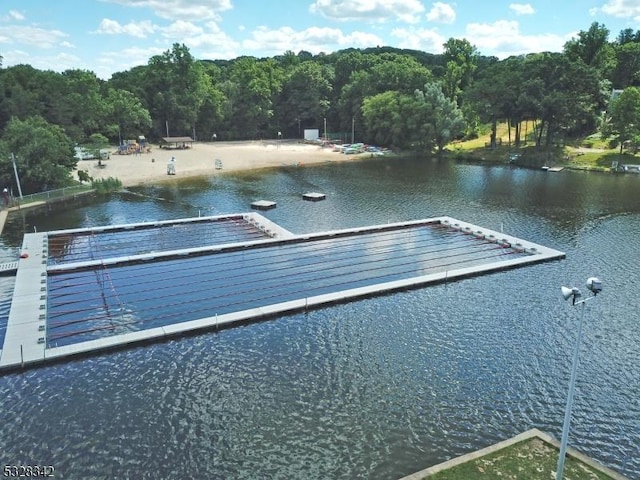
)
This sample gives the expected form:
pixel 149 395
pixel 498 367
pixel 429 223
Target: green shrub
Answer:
pixel 106 185
pixel 84 176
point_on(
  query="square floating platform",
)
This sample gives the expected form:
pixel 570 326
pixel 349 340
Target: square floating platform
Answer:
pixel 313 196
pixel 263 205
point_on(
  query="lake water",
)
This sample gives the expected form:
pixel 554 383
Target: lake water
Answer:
pixel 376 388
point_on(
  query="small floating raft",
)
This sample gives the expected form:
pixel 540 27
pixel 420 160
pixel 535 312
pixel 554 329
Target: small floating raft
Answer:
pixel 263 205
pixel 313 196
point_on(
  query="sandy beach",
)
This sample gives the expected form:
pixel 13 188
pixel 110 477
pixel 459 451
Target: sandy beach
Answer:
pixel 200 159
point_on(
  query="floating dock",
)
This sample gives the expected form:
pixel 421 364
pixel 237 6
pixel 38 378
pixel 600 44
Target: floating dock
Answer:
pixel 86 290
pixel 313 196
pixel 263 205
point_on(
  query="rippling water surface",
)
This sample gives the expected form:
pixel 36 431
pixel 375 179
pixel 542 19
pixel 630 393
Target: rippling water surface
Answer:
pixel 376 388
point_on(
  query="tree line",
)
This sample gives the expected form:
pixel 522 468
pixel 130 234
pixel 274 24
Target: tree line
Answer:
pixel 404 99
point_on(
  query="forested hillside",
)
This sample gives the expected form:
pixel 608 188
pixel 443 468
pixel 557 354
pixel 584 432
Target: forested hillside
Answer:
pixel 403 99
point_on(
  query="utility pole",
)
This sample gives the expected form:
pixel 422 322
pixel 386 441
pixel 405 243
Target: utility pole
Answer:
pixel 353 129
pixel 15 170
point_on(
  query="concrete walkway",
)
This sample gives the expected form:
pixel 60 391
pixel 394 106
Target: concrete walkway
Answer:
pixel 4 213
pixel 529 434
pixel 3 218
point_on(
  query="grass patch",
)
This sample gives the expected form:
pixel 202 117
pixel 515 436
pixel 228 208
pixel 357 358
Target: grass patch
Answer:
pixel 591 153
pixel 596 141
pixel 502 134
pixel 601 160
pixel 531 459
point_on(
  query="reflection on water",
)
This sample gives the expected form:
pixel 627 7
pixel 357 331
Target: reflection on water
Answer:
pixel 376 388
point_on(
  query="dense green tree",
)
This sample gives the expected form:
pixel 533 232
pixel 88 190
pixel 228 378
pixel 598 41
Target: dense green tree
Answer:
pixel 82 102
pixel 305 97
pixel 125 117
pixel 288 59
pixel 71 99
pixel 460 60
pixel 211 113
pixel 250 91
pixel 565 95
pixel 521 98
pixel 251 98
pixel 489 96
pixel 426 120
pixel 625 116
pixel 23 94
pixel 627 70
pixel 44 155
pixel 593 48
pixel 627 35
pixel 133 80
pixel 389 72
pixel 503 92
pixel 440 119
pixel 387 119
pixel 347 63
pixel 176 87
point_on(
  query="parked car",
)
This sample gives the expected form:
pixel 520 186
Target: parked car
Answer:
pixel 83 154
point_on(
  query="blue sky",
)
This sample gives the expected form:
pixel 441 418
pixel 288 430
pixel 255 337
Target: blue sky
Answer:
pixel 107 36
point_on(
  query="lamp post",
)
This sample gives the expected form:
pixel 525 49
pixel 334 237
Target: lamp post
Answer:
pixel 15 171
pixel 595 286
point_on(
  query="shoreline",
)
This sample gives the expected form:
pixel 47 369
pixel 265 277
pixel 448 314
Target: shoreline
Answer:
pixel 201 158
pixel 208 159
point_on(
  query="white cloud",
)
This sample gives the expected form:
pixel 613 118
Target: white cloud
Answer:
pixel 210 37
pixel 109 62
pixel 15 15
pixel 58 62
pixel 314 40
pixel 503 39
pixel 182 29
pixel 135 29
pixel 369 10
pixel 180 9
pixel 522 8
pixel 441 13
pixel 419 39
pixel 33 36
pixel 622 8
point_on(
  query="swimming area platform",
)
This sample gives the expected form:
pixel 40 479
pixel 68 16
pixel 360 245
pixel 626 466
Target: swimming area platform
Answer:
pixel 87 290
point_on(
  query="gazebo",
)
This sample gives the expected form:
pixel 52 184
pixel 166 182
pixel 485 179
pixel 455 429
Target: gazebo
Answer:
pixel 176 142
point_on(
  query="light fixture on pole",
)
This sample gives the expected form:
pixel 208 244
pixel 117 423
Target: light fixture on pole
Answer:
pixel 595 286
